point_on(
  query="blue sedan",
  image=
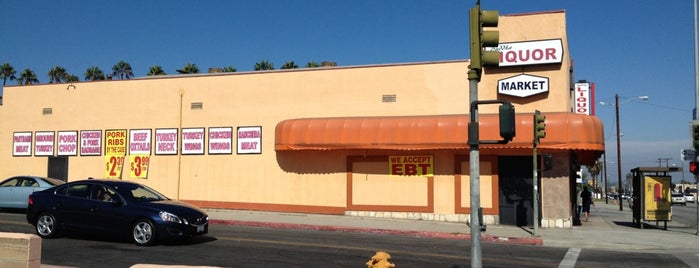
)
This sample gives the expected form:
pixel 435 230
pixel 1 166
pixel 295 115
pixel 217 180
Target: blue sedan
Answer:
pixel 114 207
pixel 14 191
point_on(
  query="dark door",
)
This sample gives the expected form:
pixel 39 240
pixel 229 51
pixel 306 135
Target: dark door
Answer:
pixel 515 190
pixel 58 168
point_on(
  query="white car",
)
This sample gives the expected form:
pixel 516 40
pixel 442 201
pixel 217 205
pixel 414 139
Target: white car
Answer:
pixel 678 198
pixel 689 198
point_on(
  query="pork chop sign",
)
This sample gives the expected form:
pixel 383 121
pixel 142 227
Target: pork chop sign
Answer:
pixel 411 165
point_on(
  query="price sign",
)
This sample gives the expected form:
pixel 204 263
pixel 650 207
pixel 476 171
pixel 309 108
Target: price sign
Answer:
pixel 114 164
pixel 139 166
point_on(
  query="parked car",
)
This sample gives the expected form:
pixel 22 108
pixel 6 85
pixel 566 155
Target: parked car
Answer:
pixel 678 198
pixel 121 208
pixel 689 197
pixel 14 191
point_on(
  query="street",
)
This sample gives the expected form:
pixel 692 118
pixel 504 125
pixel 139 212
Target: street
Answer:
pixel 239 246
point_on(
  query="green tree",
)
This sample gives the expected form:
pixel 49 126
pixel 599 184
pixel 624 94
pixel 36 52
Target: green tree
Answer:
pixel 8 72
pixel 155 70
pixel 312 64
pixel 72 78
pixel 595 171
pixel 264 65
pixel 189 69
pixel 27 77
pixel 229 69
pixel 122 70
pixel 57 74
pixel 290 65
pixel 94 73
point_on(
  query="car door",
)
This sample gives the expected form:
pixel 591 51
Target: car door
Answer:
pixel 106 211
pixel 24 188
pixel 7 190
pixel 72 207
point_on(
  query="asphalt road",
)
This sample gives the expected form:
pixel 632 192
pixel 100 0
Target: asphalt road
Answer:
pixel 237 246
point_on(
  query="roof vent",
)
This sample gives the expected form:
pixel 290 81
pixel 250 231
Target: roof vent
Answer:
pixel 46 111
pixel 197 105
pixel 388 98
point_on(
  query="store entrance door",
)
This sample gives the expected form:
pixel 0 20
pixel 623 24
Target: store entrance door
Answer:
pixel 515 190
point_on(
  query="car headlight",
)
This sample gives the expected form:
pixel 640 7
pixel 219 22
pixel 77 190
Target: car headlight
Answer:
pixel 167 216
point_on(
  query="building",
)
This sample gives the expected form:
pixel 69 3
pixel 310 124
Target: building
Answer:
pixel 380 140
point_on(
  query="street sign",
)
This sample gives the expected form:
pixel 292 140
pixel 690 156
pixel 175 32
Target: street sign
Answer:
pixel 688 155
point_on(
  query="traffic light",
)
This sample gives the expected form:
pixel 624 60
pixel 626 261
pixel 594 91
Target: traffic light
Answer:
pixel 695 135
pixel 507 121
pixel 480 39
pixel 539 126
pixel 693 167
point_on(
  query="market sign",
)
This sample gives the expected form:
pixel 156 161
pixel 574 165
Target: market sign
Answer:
pixel 530 53
pixel 411 165
pixel 523 85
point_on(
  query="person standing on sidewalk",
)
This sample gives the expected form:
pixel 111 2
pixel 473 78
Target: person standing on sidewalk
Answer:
pixel 586 197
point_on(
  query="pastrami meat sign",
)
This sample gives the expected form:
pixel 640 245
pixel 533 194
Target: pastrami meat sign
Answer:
pixel 530 52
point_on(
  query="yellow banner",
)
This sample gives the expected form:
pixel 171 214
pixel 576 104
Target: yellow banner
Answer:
pixel 657 198
pixel 115 142
pixel 114 166
pixel 139 166
pixel 411 165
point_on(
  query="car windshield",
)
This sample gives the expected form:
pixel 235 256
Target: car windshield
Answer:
pixel 143 193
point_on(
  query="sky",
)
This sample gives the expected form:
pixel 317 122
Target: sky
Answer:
pixel 627 47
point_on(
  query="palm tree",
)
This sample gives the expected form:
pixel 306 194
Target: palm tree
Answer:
pixel 189 69
pixel 229 69
pixel 27 77
pixel 94 73
pixel 8 72
pixel 290 65
pixel 594 172
pixel 72 78
pixel 57 74
pixel 312 64
pixel 123 70
pixel 264 65
pixel 155 70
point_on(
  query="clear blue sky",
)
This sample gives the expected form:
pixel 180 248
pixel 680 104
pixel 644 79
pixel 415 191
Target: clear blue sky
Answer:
pixel 627 47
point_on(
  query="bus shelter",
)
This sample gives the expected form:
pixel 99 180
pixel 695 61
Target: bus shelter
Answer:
pixel 652 195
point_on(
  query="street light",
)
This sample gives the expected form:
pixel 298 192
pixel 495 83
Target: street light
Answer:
pixel 620 187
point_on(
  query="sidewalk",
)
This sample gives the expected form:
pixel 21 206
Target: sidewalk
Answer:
pixel 608 228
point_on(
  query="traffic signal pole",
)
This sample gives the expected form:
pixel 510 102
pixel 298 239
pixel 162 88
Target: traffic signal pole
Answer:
pixel 474 173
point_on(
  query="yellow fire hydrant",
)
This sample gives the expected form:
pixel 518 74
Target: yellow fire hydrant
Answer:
pixel 380 260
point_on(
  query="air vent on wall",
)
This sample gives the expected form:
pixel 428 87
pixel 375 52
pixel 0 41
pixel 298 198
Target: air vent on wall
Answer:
pixel 388 98
pixel 46 111
pixel 197 105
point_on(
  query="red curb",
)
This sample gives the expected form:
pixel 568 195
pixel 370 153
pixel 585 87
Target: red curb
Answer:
pixel 487 238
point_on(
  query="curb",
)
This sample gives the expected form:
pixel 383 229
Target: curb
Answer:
pixel 427 234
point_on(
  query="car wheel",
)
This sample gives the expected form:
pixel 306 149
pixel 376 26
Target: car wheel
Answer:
pixel 143 232
pixel 46 226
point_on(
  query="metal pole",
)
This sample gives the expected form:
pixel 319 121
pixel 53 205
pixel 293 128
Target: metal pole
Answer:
pixel 474 175
pixel 620 189
pixel 535 195
pixel 606 196
pixel 696 96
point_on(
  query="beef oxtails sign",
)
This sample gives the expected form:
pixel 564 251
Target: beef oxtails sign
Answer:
pixel 530 52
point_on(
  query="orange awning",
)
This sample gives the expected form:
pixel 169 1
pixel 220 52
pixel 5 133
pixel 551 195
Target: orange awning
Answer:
pixel 564 131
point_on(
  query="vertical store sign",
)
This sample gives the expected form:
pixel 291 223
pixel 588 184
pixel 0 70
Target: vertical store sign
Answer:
pixel 249 140
pixel 44 143
pixel 68 143
pixel 115 150
pixel 140 142
pixel 584 101
pixel 22 144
